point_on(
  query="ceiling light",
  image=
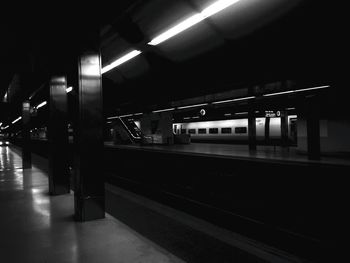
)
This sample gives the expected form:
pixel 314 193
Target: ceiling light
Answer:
pixel 41 104
pixel 238 99
pixel 16 120
pixel 192 106
pixel 293 91
pixel 169 109
pixel 69 89
pixel 121 60
pixel 191 21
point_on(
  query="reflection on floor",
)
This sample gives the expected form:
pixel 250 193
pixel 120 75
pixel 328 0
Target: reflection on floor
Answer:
pixel 264 153
pixel 36 227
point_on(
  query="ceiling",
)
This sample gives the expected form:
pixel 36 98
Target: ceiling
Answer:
pixel 254 42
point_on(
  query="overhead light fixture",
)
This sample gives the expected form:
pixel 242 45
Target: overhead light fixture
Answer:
pixel 192 106
pixel 3 128
pixel 241 113
pixel 69 89
pixel 290 108
pixel 41 104
pixel 16 120
pixel 169 109
pixel 187 118
pixel 294 91
pixel 227 114
pixel 193 20
pixel 121 60
pixel 232 100
pixel 0 124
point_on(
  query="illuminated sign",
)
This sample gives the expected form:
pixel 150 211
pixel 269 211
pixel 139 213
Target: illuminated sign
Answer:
pixel 271 113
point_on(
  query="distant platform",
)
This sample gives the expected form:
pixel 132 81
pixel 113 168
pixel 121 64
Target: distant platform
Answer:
pixel 263 153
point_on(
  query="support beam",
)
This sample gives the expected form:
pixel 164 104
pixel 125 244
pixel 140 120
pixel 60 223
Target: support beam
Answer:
pixel 284 128
pixel 58 137
pixel 26 149
pixel 89 181
pixel 313 133
pixel 251 130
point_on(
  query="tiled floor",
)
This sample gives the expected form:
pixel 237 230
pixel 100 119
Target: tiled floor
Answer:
pixel 36 227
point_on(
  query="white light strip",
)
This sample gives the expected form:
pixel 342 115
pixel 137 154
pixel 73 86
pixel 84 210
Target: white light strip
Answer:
pixel 225 101
pixel 241 113
pixel 227 114
pixel 293 91
pixel 256 111
pixel 195 117
pixel 69 89
pixel 187 118
pixel 121 60
pixel 16 120
pixel 169 109
pixel 139 113
pixel 114 117
pixel 126 115
pixel 0 124
pixel 290 108
pixel 191 21
pixel 41 104
pixel 5 127
pixel 192 106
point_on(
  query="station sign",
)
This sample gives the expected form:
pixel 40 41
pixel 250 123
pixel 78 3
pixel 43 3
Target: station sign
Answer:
pixel 271 113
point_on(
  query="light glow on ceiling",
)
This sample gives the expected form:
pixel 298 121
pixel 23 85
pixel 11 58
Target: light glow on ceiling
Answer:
pixel 16 120
pixel 294 91
pixel 121 60
pixel 193 20
pixel 41 104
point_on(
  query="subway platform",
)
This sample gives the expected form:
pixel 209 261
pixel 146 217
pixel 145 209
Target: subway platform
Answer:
pixel 37 227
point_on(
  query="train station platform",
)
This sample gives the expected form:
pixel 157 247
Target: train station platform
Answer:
pixel 37 227
pixel 263 153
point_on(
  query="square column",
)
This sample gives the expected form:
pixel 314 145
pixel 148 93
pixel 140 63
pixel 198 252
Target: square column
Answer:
pixel 58 137
pixel 251 130
pixel 89 181
pixel 26 149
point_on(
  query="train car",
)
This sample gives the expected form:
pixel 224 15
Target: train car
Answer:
pixel 236 130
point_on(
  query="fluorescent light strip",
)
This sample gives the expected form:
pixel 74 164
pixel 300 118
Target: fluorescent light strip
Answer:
pixel 290 108
pixel 227 114
pixel 139 113
pixel 114 117
pixel 69 89
pixel 169 109
pixel 195 117
pixel 0 124
pixel 225 101
pixel 16 120
pixel 5 127
pixel 121 60
pixel 41 104
pixel 126 115
pixel 193 20
pixel 241 113
pixel 187 118
pixel 192 106
pixel 293 91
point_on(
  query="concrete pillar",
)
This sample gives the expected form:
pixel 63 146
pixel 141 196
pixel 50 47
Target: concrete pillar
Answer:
pixel 26 148
pixel 58 137
pixel 89 181
pixel 251 130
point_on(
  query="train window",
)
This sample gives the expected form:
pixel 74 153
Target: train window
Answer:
pixel 202 131
pixel 241 130
pixel 226 130
pixel 192 131
pixel 213 130
pixel 183 131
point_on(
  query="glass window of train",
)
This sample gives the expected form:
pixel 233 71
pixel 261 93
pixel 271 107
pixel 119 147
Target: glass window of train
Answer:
pixel 202 131
pixel 213 130
pixel 241 130
pixel 226 130
pixel 192 131
pixel 183 131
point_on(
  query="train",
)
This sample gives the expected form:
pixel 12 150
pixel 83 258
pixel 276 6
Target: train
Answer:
pixel 236 130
